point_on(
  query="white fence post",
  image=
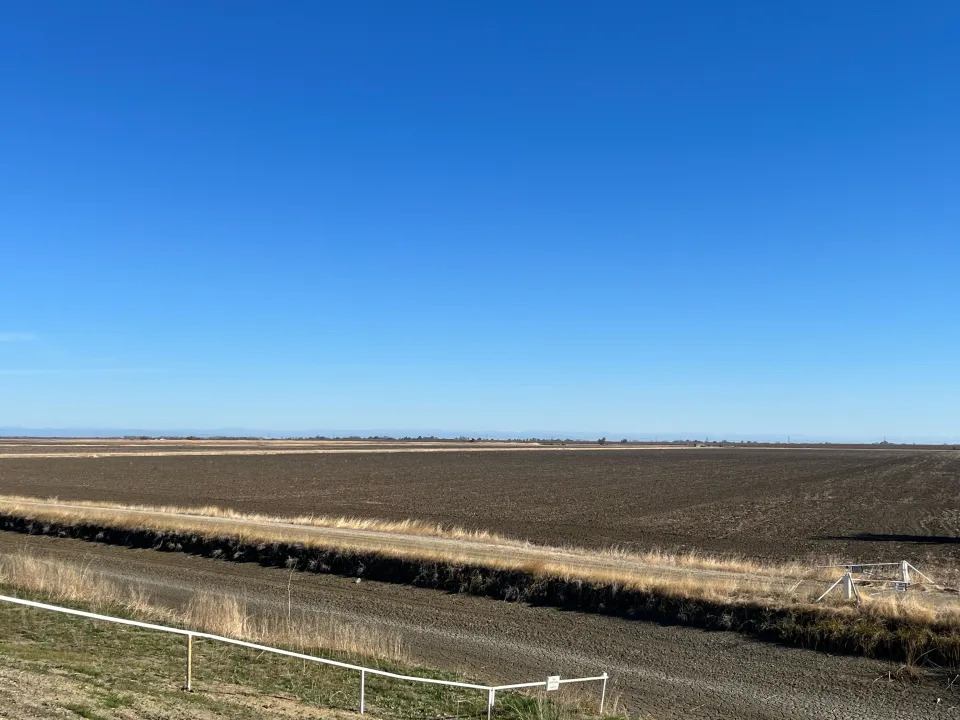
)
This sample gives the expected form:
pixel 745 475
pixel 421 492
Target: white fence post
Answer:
pixel 189 686
pixel 603 693
pixel 363 687
pixel 848 586
pixel 491 697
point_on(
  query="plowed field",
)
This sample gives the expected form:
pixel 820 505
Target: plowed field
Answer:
pixel 856 504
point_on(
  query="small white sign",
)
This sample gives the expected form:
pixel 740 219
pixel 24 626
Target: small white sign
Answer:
pixel 553 683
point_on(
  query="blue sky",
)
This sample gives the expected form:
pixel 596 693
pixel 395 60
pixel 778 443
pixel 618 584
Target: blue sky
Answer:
pixel 623 217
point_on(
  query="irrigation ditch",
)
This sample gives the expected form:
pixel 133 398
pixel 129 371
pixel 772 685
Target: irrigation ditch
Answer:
pixel 843 630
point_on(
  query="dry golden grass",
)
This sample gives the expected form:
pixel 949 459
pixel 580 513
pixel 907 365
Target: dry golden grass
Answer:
pixel 72 582
pixel 694 576
pixel 216 613
pixel 229 616
pixel 407 527
pixel 915 609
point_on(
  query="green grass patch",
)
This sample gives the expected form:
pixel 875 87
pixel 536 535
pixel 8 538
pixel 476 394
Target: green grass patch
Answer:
pixel 123 668
pixel 83 711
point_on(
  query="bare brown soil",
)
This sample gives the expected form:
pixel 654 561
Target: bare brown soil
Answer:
pixel 858 505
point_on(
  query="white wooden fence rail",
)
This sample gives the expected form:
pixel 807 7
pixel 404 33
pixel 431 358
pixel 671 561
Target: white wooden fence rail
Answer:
pixel 491 690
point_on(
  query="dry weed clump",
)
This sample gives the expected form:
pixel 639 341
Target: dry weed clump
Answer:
pixel 229 616
pixel 912 609
pixel 72 582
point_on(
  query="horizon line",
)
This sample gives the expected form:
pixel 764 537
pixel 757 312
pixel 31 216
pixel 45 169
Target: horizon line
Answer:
pixel 14 431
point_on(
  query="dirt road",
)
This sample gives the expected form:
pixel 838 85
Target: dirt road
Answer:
pixel 660 672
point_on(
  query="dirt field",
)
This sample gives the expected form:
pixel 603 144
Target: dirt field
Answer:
pixel 856 504
pixel 781 504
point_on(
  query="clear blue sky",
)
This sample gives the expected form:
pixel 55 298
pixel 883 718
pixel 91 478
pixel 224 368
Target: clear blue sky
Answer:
pixel 623 217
